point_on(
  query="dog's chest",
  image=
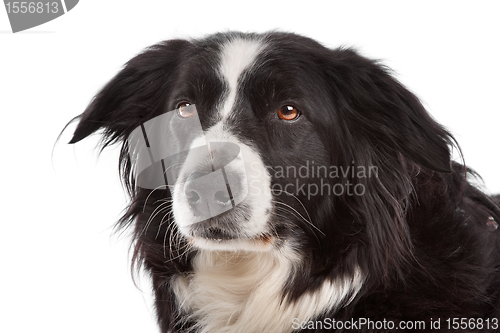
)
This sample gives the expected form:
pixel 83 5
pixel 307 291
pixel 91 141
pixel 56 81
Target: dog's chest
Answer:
pixel 235 293
pixel 244 293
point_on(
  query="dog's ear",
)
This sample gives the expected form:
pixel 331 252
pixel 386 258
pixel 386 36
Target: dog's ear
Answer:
pixel 379 109
pixel 136 91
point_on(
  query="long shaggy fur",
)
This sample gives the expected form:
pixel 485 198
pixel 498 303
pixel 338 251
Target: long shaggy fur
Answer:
pixel 421 242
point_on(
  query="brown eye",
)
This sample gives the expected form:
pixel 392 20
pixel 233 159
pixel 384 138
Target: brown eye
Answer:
pixel 186 109
pixel 288 113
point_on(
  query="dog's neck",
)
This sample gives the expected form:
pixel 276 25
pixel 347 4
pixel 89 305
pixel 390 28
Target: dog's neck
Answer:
pixel 243 292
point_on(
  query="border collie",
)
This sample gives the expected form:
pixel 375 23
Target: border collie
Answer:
pixel 280 186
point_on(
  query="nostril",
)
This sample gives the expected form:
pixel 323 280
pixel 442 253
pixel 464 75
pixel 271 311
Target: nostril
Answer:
pixel 222 197
pixel 193 197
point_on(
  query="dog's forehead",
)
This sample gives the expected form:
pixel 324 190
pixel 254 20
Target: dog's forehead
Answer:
pixel 237 58
pixel 232 77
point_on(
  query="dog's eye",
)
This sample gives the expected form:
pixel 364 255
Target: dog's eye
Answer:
pixel 288 113
pixel 185 109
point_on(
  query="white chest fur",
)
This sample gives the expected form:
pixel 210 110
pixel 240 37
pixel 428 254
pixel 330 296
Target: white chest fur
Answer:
pixel 242 292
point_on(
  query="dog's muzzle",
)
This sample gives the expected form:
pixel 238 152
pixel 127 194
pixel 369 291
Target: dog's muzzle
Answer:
pixel 216 180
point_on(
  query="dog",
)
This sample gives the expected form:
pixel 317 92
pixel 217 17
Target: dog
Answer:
pixel 281 186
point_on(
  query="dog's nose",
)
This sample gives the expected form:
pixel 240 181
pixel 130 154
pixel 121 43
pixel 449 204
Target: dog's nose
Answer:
pixel 211 194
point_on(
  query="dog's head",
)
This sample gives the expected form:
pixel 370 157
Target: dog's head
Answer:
pixel 248 142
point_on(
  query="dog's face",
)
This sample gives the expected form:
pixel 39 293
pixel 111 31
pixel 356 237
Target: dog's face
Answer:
pixel 223 202
pixel 287 133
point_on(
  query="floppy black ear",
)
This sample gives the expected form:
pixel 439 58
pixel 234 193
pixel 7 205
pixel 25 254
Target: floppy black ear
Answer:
pixel 378 108
pixel 136 91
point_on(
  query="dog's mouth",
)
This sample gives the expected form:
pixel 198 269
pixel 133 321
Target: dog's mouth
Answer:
pixel 216 234
pixel 262 242
pixel 219 234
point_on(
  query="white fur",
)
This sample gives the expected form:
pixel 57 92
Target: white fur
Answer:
pixel 234 292
pixel 237 56
pixel 258 197
pixel 237 285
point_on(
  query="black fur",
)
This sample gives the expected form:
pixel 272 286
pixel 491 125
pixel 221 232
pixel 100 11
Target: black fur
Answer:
pixel 420 231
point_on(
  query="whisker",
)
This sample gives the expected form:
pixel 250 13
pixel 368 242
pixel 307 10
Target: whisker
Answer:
pixel 156 211
pixel 307 224
pixel 147 198
pixel 302 217
pixel 170 234
pixel 187 247
pixel 169 213
pixel 300 202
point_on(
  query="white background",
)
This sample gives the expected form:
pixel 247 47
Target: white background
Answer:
pixel 62 270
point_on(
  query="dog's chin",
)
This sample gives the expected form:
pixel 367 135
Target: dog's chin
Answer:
pixel 233 230
pixel 261 243
pixel 223 234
